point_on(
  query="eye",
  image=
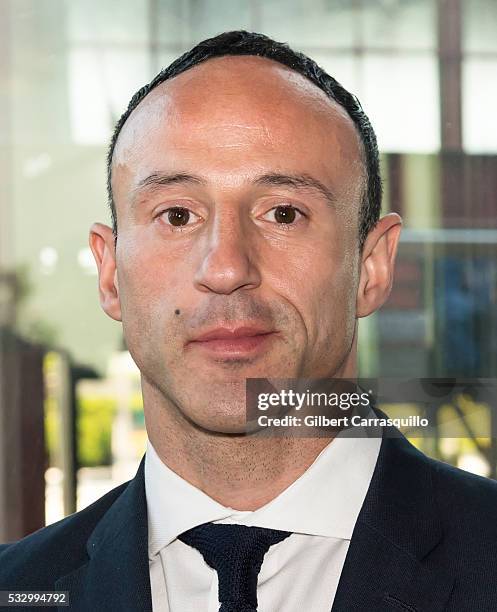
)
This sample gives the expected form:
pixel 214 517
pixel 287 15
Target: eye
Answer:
pixel 177 216
pixel 284 214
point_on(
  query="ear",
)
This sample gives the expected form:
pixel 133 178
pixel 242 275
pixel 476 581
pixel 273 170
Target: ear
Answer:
pixel 102 245
pixel 377 264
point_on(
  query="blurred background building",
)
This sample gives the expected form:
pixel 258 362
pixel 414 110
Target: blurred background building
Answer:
pixel 426 74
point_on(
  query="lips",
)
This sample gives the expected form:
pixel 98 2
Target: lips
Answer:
pixel 233 341
pixel 225 333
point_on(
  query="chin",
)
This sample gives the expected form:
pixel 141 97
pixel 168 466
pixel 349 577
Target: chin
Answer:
pixel 222 424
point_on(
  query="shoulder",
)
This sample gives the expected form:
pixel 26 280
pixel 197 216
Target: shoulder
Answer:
pixel 477 491
pixel 464 505
pixel 459 494
pixel 52 551
pixel 467 503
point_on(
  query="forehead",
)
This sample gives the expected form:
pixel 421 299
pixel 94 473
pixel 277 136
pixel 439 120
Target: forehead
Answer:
pixel 235 115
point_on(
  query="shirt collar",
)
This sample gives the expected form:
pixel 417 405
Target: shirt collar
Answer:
pixel 336 483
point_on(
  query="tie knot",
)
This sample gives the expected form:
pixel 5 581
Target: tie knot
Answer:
pixel 236 552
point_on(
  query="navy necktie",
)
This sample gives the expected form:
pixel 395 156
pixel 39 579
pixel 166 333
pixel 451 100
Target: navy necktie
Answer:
pixel 236 553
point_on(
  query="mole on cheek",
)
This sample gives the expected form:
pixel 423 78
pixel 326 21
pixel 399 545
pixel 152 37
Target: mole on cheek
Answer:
pixel 177 311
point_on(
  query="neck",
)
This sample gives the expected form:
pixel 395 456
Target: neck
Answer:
pixel 242 472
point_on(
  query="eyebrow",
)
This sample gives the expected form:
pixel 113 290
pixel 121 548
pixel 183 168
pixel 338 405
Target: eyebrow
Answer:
pixel 158 179
pixel 298 181
pixel 293 181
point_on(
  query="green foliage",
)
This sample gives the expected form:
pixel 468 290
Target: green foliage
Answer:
pixel 52 426
pixel 93 430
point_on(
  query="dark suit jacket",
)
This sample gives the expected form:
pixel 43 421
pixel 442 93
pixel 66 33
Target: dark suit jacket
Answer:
pixel 425 541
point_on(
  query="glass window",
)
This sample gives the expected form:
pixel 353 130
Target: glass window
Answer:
pixel 479 97
pixel 210 17
pixel 479 18
pixel 101 83
pixel 172 22
pixel 400 24
pixel 332 23
pixel 117 21
pixel 400 95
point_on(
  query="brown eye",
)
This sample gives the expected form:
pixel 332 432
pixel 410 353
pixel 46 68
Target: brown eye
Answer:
pixel 284 214
pixel 178 216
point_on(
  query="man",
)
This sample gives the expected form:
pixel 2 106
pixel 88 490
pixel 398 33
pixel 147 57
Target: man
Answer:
pixel 245 193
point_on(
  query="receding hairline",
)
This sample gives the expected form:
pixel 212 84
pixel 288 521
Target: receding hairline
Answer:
pixel 303 81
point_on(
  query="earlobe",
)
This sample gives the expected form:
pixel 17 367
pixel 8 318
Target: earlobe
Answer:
pixel 378 264
pixel 103 248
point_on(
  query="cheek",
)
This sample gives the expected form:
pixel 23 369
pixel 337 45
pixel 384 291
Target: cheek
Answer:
pixel 336 303
pixel 326 294
pixel 147 282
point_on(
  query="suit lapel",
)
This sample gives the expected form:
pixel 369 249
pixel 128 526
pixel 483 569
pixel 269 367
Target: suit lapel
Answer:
pixel 116 577
pixel 392 563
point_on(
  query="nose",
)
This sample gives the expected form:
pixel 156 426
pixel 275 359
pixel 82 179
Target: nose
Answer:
pixel 227 260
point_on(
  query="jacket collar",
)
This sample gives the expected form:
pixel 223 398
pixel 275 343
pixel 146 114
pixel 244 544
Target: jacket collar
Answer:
pixel 391 562
pixel 116 576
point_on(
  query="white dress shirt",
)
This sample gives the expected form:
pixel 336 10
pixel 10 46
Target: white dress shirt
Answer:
pixel 300 573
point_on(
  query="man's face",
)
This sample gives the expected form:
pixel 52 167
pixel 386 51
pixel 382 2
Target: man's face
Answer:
pixel 237 186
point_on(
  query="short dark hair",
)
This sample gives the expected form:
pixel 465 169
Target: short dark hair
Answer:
pixel 241 42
